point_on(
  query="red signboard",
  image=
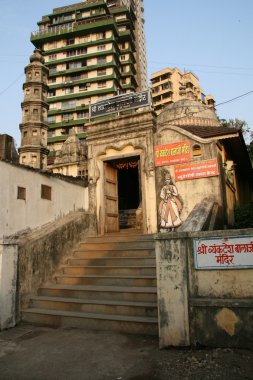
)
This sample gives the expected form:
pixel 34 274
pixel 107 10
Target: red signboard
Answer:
pixel 172 154
pixel 200 169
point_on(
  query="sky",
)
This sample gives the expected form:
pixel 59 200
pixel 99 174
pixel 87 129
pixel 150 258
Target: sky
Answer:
pixel 213 39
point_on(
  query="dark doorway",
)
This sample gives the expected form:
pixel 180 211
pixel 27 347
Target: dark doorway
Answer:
pixel 128 188
pixel 129 197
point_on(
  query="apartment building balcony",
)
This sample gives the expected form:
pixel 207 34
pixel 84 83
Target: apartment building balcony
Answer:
pixel 161 99
pixel 160 79
pixel 61 110
pixel 90 42
pixel 79 57
pixel 83 69
pixel 67 29
pixel 77 95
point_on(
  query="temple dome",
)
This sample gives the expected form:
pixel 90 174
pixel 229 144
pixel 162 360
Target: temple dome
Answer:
pixel 188 112
pixel 37 57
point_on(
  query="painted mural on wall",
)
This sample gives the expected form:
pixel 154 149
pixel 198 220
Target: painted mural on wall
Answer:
pixel 170 205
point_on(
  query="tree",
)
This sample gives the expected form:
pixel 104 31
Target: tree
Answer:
pixel 246 131
pixel 237 123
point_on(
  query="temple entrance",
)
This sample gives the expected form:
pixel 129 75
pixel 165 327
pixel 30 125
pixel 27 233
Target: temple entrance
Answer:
pixel 122 194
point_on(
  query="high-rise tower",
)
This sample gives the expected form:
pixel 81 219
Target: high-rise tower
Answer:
pixel 94 50
pixel 33 150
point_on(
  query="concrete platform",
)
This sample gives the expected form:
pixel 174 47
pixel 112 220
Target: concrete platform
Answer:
pixel 39 353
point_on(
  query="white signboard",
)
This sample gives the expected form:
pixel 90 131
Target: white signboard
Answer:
pixel 231 252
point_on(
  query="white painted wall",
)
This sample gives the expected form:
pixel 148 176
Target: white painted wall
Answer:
pixel 17 214
pixel 8 284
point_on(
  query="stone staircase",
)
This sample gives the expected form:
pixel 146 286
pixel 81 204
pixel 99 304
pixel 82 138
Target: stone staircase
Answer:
pixel 108 284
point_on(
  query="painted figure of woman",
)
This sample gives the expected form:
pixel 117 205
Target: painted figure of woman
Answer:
pixel 170 206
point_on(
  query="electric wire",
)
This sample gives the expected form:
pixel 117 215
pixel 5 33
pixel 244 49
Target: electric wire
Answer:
pixel 11 84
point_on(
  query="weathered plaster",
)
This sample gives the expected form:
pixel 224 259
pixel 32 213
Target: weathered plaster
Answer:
pixel 32 212
pixel 8 284
pixel 172 292
pixel 206 307
pixel 227 320
pixel 126 136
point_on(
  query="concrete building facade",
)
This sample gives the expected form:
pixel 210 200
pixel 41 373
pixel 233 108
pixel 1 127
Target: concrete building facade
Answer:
pixel 170 85
pixel 93 50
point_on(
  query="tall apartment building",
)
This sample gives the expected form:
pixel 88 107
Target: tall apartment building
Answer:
pixel 170 85
pixel 94 50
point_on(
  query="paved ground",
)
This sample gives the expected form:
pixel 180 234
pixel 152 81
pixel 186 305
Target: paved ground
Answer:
pixel 39 353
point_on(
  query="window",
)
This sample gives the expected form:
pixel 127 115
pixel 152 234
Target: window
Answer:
pixel 23 159
pixel 101 72
pixel 71 53
pixel 52 80
pixel 36 91
pixel 124 69
pixel 102 84
pixel 67 17
pixel 34 159
pixel 46 192
pixel 81 51
pixel 123 46
pixel 196 151
pixel 71 41
pixel 76 65
pixel 101 60
pixel 34 132
pixel 82 115
pixel 21 193
pixel 67 117
pixel 52 57
pixel 68 105
pixel 52 69
pixel 101 47
pixel 100 36
pixel 70 90
pixel 122 57
pixel 51 119
pixel 75 77
pixel 25 134
pixel 123 81
pixel 83 87
pixel 51 93
pixel 37 74
pixel 86 14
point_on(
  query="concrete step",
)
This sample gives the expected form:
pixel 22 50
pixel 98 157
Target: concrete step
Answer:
pixel 148 244
pixel 121 293
pixel 142 281
pixel 110 270
pixel 121 323
pixel 112 261
pixel 99 252
pixel 119 237
pixel 108 283
pixel 96 306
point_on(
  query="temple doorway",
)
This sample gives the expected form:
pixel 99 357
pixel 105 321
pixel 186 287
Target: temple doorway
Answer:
pixel 122 194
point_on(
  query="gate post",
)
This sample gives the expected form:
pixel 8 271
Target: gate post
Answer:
pixel 172 289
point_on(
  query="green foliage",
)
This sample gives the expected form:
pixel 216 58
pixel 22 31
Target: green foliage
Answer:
pixel 246 131
pixel 244 216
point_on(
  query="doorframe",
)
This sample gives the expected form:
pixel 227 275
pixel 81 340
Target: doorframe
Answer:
pixel 106 159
